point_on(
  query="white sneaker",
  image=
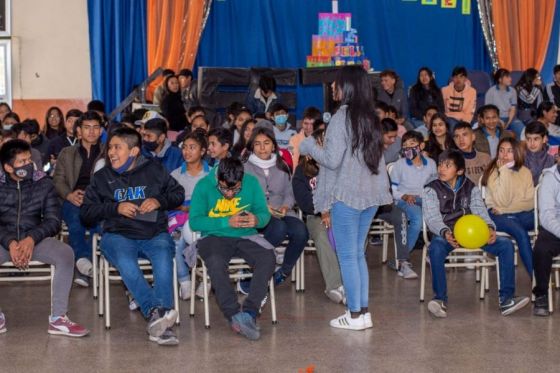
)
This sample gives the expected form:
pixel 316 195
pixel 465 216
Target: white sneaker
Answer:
pixel 437 308
pixel 347 322
pixel 405 271
pixel 85 267
pixel 200 290
pixel 335 295
pixel 185 289
pixel 367 320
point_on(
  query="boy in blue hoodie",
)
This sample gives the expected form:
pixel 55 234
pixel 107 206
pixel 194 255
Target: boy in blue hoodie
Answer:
pixel 131 196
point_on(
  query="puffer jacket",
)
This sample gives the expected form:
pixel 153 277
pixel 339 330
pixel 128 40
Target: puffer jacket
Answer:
pixel 28 209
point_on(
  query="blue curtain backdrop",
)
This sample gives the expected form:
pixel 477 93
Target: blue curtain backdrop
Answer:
pixel 402 35
pixel 117 36
pixel 552 54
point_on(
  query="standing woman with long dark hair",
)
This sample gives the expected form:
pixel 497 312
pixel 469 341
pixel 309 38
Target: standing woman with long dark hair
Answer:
pixel 352 183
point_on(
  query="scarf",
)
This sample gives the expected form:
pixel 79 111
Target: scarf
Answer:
pixel 264 164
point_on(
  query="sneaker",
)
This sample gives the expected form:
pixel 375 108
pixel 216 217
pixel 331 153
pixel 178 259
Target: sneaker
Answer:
pixel 185 289
pixel 406 272
pixel 63 326
pixel 85 267
pixel 392 263
pixel 2 323
pixel 244 324
pixel 160 320
pixel 335 295
pixel 367 320
pixel 81 280
pixel 279 277
pixel 437 308
pixel 132 304
pixel 540 308
pixel 200 290
pixel 168 338
pixel 347 322
pixel 513 304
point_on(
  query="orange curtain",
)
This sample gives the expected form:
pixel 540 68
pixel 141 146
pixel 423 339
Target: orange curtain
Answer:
pixel 522 30
pixel 174 28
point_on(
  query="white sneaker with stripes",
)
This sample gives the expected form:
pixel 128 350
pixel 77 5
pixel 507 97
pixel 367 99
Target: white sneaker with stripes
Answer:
pixel 347 322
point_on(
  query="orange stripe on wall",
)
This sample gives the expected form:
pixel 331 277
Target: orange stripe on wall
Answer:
pixel 38 108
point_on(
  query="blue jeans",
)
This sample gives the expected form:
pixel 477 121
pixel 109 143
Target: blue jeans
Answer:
pixel 123 253
pixel 183 272
pixel 503 249
pixel 414 215
pixel 77 232
pixel 518 225
pixel 350 228
pixel 516 126
pixel 295 230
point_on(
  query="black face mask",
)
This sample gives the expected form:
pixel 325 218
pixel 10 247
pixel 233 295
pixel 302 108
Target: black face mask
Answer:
pixel 24 172
pixel 150 145
pixel 36 141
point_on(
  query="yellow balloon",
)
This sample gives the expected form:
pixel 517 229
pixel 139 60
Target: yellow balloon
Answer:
pixel 471 232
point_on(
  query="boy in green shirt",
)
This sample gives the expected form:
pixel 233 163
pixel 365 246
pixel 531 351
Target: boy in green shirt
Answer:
pixel 228 207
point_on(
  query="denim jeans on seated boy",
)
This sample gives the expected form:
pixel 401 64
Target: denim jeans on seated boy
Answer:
pixel 439 249
pixel 414 216
pixel 123 253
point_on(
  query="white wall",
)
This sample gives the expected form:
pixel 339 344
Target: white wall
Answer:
pixel 50 49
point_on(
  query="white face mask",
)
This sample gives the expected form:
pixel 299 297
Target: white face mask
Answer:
pixel 7 127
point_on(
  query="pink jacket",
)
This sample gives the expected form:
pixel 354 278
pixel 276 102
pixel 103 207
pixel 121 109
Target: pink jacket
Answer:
pixel 459 105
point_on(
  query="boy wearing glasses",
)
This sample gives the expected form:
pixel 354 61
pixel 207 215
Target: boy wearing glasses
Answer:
pixel 227 208
pixel 71 177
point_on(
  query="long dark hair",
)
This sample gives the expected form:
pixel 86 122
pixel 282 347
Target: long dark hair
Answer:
pixel 518 158
pixel 367 135
pixel 432 146
pixel 48 129
pixel 432 85
pixel 241 143
pixel 527 79
pixel 268 133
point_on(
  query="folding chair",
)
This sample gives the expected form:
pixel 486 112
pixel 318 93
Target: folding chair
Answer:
pixel 456 259
pixel 235 268
pixel 37 271
pixel 107 273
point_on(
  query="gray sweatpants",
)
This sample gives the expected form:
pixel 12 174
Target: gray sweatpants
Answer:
pixel 328 262
pixel 52 251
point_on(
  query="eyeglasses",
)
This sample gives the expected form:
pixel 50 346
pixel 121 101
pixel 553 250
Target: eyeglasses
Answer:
pixel 234 190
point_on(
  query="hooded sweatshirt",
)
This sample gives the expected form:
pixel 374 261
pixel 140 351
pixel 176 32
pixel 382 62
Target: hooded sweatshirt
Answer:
pixel 210 210
pixel 148 179
pixel 459 105
pixel 549 201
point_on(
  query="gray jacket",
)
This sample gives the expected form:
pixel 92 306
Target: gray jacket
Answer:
pixel 277 186
pixel 344 176
pixel 549 200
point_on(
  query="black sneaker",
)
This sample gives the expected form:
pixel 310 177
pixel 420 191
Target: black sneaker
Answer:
pixel 168 338
pixel 160 320
pixel 244 324
pixel 513 304
pixel 81 280
pixel 279 277
pixel 541 306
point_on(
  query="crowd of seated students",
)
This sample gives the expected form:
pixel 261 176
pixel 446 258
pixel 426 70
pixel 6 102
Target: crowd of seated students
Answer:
pixel 242 184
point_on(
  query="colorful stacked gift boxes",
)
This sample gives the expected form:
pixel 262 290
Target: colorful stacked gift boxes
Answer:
pixel 337 43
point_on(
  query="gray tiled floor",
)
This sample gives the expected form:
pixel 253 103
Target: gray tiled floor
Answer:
pixel 475 337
